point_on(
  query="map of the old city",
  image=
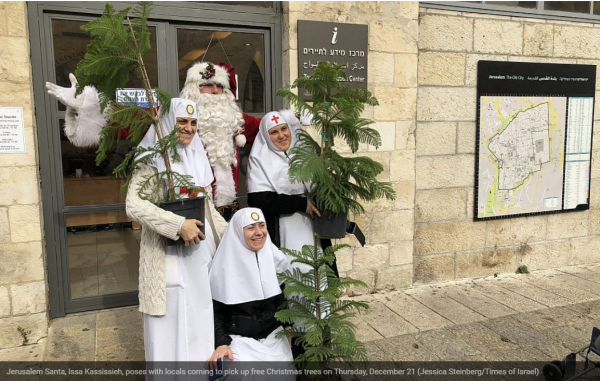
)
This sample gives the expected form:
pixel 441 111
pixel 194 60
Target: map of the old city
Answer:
pixel 521 155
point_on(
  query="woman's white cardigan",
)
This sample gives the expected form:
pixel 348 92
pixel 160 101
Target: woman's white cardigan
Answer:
pixel 156 224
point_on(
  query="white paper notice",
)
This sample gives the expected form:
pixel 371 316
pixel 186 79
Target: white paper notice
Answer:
pixel 12 134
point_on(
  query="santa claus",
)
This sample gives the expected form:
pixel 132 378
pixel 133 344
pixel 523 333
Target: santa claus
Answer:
pixel 223 127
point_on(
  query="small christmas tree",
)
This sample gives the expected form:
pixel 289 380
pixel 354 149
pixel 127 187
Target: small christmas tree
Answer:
pixel 116 51
pixel 314 299
pixel 339 183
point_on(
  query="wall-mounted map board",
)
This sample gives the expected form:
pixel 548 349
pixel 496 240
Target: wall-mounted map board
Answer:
pixel 534 138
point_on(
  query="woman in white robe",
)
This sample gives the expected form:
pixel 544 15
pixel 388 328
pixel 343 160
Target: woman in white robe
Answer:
pixel 287 208
pixel 246 295
pixel 174 288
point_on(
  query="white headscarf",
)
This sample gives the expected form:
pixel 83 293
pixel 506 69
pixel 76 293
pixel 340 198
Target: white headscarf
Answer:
pixel 268 166
pixel 237 274
pixel 193 157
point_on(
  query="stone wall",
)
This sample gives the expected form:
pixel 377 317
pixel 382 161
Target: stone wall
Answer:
pixel 448 243
pixel 23 291
pixel 386 261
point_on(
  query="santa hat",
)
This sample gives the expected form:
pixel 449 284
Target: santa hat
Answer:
pixel 209 73
pixel 231 72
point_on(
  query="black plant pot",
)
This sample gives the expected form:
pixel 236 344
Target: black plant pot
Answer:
pixel 190 208
pixel 331 226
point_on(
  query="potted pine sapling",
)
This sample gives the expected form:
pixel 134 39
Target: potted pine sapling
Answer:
pixel 339 184
pixel 323 327
pixel 116 51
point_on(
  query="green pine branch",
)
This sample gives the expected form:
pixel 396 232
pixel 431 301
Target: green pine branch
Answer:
pixel 340 184
pixel 115 54
pixel 313 298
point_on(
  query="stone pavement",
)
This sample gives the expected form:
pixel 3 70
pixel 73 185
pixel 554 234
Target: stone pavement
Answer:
pixel 539 316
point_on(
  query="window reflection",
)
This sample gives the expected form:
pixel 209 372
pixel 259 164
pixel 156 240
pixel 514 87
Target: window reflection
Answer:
pixel 568 6
pixel 103 253
pixel 262 4
pixel 70 44
pixel 520 4
pixel 86 183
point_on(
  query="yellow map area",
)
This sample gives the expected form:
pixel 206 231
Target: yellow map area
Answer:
pixel 521 140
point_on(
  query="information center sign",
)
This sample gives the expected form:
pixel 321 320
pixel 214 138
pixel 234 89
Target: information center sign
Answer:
pixel 12 130
pixel 534 138
pixel 338 43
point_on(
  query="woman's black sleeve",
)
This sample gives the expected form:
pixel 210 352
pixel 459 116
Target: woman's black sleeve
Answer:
pixel 273 203
pixel 222 316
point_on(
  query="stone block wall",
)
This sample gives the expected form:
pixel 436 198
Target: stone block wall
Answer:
pixel 23 290
pixel 448 243
pixel 386 262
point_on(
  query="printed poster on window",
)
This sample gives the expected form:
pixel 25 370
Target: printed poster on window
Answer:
pixel 137 96
pixel 534 138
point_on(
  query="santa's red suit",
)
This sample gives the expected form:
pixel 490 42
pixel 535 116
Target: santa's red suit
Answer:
pixel 223 127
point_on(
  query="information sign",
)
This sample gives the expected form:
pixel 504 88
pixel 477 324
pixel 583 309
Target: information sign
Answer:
pixel 338 43
pixel 12 130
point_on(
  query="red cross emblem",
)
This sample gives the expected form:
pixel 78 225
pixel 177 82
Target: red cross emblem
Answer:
pixel 275 119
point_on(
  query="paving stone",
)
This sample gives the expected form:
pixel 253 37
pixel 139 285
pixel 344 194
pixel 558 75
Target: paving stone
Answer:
pixel 364 332
pixel 518 354
pixel 448 308
pixel 375 353
pixel 413 311
pixel 561 284
pixel 588 285
pixel 119 335
pixel 511 299
pixel 532 333
pixel 555 351
pixel 72 338
pixel 385 321
pixel 516 331
pixel 583 272
pixel 568 336
pixel 553 317
pixel 478 302
pixel 405 348
pixel 593 267
pixel 448 346
pixel 482 339
pixel 591 309
pixel 541 296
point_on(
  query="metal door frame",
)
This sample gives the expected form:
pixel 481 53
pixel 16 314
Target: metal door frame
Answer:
pixel 164 17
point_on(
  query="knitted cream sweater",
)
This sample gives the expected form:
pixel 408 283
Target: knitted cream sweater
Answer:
pixel 156 224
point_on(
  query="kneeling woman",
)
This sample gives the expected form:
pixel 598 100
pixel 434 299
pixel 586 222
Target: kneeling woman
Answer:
pixel 246 293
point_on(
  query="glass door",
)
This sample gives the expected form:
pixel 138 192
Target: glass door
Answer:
pixel 92 246
pixel 99 244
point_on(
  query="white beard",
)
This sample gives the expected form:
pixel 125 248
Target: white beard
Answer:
pixel 219 120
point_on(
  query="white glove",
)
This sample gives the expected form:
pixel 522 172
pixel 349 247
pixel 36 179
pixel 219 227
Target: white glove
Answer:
pixel 306 118
pixel 66 95
pixel 83 119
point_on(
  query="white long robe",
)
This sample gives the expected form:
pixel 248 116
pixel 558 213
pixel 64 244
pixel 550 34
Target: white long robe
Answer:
pixel 183 333
pixel 272 356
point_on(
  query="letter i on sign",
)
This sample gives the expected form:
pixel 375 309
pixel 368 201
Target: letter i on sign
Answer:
pixel 334 39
